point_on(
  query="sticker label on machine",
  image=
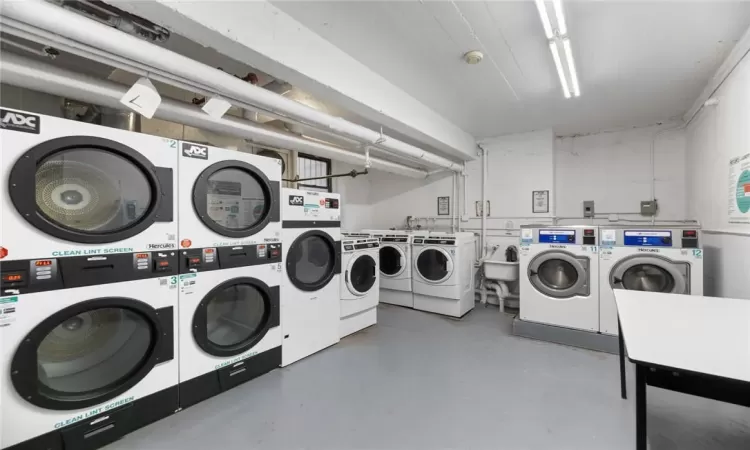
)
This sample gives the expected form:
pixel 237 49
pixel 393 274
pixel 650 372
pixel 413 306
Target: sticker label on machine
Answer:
pixel 229 208
pixel 8 309
pixel 187 283
pixel 527 235
pixel 609 237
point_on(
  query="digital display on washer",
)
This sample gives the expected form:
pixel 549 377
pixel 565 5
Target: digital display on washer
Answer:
pixel 637 238
pixel 557 236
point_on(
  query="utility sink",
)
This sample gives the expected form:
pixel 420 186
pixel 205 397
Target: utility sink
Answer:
pixel 500 270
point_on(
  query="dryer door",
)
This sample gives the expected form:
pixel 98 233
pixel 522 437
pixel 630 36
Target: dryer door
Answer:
pixel 361 274
pixel 434 264
pixel 90 190
pixel 392 261
pixel 235 315
pixel 313 259
pixel 651 273
pixel 235 199
pixel 560 274
pixel 91 352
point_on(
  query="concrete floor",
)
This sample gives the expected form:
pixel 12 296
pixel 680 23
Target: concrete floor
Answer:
pixel 422 381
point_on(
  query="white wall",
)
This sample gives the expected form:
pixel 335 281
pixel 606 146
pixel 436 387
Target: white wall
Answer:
pixel 355 197
pixel 717 134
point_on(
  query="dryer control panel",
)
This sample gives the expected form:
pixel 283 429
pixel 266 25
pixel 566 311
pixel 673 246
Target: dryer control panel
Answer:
pixel 216 258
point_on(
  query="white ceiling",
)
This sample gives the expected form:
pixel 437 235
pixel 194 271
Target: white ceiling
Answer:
pixel 639 62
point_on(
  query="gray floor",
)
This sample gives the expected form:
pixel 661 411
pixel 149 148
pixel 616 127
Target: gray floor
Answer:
pixel 421 381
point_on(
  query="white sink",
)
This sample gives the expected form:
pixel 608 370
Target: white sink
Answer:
pixel 500 270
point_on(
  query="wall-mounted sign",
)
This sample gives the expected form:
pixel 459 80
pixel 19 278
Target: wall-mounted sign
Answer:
pixel 540 201
pixel 739 189
pixel 444 206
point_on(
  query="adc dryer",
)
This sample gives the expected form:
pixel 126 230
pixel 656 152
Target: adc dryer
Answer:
pixel 72 188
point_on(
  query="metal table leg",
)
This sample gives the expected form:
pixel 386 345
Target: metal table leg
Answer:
pixel 640 408
pixel 623 386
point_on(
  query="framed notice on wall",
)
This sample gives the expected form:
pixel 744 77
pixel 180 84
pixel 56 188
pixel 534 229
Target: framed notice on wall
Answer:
pixel 444 206
pixel 540 202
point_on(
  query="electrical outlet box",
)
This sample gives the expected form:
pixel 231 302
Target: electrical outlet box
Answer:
pixel 588 208
pixel 649 208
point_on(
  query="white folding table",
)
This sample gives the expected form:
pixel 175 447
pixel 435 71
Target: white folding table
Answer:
pixel 690 344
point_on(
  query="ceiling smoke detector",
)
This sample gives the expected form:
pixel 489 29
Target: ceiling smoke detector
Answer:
pixel 473 57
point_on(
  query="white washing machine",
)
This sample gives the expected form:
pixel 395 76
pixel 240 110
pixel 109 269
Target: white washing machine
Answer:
pixel 88 348
pixel 396 269
pixel 310 289
pixel 71 188
pixel 559 276
pixel 359 285
pixel 229 317
pixel 443 273
pixel 228 197
pixel 655 259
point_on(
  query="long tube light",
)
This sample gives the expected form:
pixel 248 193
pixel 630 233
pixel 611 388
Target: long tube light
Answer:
pixel 558 64
pixel 560 42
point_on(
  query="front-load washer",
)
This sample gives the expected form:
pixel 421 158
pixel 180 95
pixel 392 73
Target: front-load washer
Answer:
pixel 655 258
pixel 227 197
pixel 359 285
pixel 229 317
pixel 559 276
pixel 443 273
pixel 310 289
pixel 395 269
pixel 88 348
pixel 72 188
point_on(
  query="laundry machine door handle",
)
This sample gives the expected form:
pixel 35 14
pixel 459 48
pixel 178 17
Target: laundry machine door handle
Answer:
pixel 617 280
pixel 533 273
pixel 346 276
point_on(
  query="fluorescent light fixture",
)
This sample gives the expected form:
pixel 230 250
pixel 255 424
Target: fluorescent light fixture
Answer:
pixel 545 18
pixel 571 67
pixel 560 16
pixel 558 64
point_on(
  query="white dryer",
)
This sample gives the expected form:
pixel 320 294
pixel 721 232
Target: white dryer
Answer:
pixel 443 273
pixel 559 281
pixel 227 197
pixel 71 188
pixel 396 269
pixel 359 285
pixel 229 317
pixel 88 348
pixel 656 259
pixel 310 289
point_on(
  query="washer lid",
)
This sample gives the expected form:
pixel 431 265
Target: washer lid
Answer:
pixel 560 274
pixel 392 260
pixel 652 274
pixel 434 264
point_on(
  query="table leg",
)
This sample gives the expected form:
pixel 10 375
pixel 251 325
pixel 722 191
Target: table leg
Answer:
pixel 640 408
pixel 623 386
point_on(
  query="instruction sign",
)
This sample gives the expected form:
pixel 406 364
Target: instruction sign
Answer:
pixel 739 189
pixel 444 206
pixel 540 201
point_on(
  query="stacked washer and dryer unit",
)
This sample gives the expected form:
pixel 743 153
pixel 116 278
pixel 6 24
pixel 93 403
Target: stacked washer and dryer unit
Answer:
pixel 89 268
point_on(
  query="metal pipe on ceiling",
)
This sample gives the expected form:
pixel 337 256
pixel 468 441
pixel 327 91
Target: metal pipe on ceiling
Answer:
pixel 49 17
pixel 40 76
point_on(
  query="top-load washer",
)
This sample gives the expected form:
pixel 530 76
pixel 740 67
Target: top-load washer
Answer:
pixel 310 289
pixel 559 276
pixel 227 197
pixel 360 283
pixel 655 259
pixel 396 269
pixel 443 273
pixel 77 189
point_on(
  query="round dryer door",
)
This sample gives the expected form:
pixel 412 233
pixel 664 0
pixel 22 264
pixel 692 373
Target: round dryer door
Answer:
pixel 559 274
pixel 90 352
pixel 90 190
pixel 434 265
pixel 652 274
pixel 312 261
pixel 234 199
pixel 392 261
pixel 361 274
pixel 234 316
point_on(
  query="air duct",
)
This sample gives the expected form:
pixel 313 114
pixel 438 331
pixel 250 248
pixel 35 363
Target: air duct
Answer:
pixel 39 76
pixel 52 19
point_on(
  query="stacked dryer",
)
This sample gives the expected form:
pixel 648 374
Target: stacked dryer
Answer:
pixel 230 269
pixel 88 299
pixel 311 312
